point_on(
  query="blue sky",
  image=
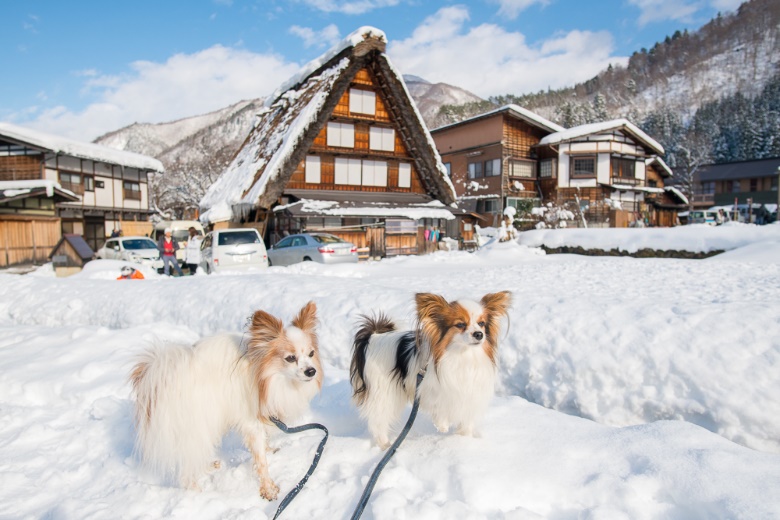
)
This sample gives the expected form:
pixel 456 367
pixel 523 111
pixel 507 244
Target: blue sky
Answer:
pixel 83 68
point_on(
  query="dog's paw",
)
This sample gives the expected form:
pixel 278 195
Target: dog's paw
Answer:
pixel 442 426
pixel 269 490
pixel 468 431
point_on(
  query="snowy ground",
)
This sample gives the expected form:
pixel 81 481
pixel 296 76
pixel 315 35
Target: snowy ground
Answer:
pixel 666 372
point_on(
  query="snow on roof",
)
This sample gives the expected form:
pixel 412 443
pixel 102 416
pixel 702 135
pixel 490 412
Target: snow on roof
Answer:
pixel 432 209
pixel 282 124
pixel 268 146
pixel 350 40
pixel 597 128
pixel 677 193
pixel 13 188
pixel 517 111
pixel 660 162
pixel 91 151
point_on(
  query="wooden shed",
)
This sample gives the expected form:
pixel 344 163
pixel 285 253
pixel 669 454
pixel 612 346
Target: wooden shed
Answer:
pixel 70 254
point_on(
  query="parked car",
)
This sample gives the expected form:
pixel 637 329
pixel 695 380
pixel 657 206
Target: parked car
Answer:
pixel 233 249
pixel 180 230
pixel 703 217
pixel 140 250
pixel 316 247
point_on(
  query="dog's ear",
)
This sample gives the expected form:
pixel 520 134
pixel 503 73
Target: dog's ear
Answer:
pixel 307 318
pixel 264 327
pixel 498 303
pixel 429 306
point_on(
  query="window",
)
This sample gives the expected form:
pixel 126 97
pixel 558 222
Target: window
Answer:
pixel 525 169
pixel 547 169
pixel 362 101
pixel 72 182
pixel 341 134
pixel 285 242
pixel 381 139
pixel 487 206
pixel 753 184
pixel 652 184
pixel 347 171
pixel 708 188
pixel 475 170
pixel 774 184
pixel 732 187
pixel 493 168
pixel 312 169
pixel 89 183
pixel 624 167
pixel 448 167
pixel 234 238
pixel 405 175
pixel 374 173
pixel 132 190
pixel 398 226
pixel 584 166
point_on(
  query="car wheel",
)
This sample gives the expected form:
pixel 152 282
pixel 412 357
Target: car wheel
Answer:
pixel 306 259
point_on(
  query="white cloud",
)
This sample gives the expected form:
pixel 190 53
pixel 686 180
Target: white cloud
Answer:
pixel 326 37
pixel 349 7
pixel 489 60
pixel 512 8
pixel 183 86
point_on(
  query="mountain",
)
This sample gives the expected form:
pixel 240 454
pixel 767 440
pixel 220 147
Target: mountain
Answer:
pixel 195 150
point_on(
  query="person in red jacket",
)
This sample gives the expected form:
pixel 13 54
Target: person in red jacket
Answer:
pixel 168 247
pixel 128 273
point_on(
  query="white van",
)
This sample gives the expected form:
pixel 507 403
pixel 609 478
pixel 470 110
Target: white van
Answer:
pixel 180 230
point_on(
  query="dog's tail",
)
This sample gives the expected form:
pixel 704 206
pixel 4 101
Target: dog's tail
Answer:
pixel 369 326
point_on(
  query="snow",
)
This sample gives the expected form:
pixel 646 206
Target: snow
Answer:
pixel 13 188
pixel 518 111
pixel 90 151
pixel 597 128
pixel 433 209
pixel 629 388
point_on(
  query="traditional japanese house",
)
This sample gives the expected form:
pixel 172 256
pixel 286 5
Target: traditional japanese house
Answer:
pixel 492 159
pixel 723 184
pixel 340 147
pixel 94 189
pixel 610 173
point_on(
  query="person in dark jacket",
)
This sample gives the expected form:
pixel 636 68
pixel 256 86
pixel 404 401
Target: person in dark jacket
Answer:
pixel 167 245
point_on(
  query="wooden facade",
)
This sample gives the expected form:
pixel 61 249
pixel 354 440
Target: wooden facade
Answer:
pixel 27 239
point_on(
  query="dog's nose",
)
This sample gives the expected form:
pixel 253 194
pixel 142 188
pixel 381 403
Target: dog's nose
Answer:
pixel 478 335
pixel 309 372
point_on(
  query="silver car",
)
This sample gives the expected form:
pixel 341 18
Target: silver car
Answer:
pixel 233 249
pixel 316 247
pixel 140 250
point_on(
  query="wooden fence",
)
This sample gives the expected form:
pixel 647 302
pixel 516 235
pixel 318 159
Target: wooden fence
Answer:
pixel 27 240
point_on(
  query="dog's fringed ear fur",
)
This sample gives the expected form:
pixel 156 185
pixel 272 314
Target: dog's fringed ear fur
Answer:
pixel 498 303
pixel 431 308
pixel 307 318
pixel 265 328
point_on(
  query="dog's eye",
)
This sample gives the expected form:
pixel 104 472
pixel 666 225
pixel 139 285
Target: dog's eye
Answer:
pixel 290 359
pixel 311 354
pixel 481 324
pixel 461 326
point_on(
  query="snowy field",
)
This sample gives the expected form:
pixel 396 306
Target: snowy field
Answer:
pixel 629 388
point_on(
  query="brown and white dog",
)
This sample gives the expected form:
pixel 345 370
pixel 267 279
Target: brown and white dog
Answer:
pixel 189 397
pixel 457 341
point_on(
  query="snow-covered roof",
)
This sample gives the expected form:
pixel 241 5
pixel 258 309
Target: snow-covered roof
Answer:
pixel 432 209
pixel 515 111
pixel 287 126
pixel 91 151
pixel 661 163
pixel 577 132
pixel 12 189
pixel 677 193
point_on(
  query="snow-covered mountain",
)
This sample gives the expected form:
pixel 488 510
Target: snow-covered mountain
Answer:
pixel 429 97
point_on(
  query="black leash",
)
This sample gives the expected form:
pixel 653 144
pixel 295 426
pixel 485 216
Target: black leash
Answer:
pixel 390 452
pixel 297 429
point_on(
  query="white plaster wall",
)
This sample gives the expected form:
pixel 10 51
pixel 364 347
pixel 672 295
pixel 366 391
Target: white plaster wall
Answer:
pixel 602 168
pixel 641 172
pixel 103 195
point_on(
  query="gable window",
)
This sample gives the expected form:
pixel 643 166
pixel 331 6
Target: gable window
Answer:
pixel 624 167
pixel 362 101
pixel 341 134
pixel 493 168
pixel 526 169
pixel 347 171
pixel 448 167
pixel 487 206
pixel 382 139
pixel 312 169
pixel 374 173
pixel 475 170
pixel 547 169
pixel 132 190
pixel 405 175
pixel 583 166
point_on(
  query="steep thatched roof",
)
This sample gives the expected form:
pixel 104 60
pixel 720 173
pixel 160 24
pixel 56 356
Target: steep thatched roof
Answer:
pixel 294 116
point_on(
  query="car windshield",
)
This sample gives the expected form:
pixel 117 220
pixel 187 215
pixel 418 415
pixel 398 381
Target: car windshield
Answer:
pixel 327 239
pixel 139 243
pixel 181 235
pixel 238 237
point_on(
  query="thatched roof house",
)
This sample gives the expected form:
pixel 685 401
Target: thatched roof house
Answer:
pixel 346 124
